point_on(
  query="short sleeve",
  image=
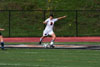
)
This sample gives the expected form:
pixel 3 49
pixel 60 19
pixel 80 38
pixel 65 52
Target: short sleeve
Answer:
pixel 56 19
pixel 46 21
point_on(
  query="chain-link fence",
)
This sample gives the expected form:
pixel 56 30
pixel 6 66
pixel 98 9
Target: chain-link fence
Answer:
pixel 28 23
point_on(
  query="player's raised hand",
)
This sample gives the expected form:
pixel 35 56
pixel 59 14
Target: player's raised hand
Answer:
pixel 2 29
pixel 61 17
pixel 64 16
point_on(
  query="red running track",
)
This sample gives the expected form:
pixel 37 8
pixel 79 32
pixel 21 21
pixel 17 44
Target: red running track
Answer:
pixel 58 39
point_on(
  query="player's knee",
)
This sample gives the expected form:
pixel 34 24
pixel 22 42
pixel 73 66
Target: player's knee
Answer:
pixel 54 36
pixel 43 37
pixel 0 36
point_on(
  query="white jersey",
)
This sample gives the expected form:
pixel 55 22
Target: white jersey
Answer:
pixel 49 27
pixel 50 23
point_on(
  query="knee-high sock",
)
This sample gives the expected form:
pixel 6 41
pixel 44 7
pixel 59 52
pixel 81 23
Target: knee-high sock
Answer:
pixel 41 39
pixel 2 44
pixel 52 42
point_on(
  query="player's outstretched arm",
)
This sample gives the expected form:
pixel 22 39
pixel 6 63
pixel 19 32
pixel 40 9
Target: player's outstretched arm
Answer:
pixel 2 29
pixel 44 22
pixel 59 18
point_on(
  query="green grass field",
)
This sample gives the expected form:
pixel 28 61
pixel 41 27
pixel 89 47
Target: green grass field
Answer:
pixel 49 58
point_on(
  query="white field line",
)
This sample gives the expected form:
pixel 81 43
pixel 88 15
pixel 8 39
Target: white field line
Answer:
pixel 9 64
pixel 50 53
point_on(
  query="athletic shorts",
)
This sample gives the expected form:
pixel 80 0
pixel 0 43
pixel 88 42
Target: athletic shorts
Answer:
pixel 0 33
pixel 46 33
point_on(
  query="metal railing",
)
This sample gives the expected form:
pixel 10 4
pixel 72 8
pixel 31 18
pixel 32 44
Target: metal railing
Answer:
pixel 18 23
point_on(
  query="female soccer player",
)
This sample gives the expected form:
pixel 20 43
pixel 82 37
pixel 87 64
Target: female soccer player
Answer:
pixel 49 29
pixel 1 39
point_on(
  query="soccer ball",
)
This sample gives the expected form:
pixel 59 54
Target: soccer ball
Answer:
pixel 45 45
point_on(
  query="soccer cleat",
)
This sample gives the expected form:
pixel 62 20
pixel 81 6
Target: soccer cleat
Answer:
pixel 39 43
pixel 2 48
pixel 52 46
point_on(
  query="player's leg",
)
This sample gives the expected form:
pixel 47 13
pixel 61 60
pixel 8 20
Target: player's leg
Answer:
pixel 41 39
pixel 45 33
pixel 53 39
pixel 2 42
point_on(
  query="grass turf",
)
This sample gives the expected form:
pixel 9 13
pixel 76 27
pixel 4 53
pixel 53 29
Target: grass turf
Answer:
pixel 49 58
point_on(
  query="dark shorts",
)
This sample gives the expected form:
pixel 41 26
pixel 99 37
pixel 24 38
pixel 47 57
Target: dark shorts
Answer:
pixel 0 33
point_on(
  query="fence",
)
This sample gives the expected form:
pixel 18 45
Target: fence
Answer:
pixel 28 23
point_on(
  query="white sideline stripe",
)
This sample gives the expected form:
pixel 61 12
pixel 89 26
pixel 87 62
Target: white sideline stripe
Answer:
pixel 9 64
pixel 16 64
pixel 28 52
pixel 48 52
